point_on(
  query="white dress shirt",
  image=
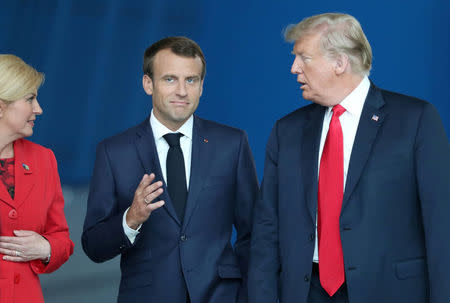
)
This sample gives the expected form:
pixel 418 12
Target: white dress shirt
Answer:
pixel 353 105
pixel 162 147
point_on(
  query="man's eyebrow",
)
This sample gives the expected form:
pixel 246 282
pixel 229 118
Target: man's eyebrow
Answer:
pixel 300 53
pixel 169 75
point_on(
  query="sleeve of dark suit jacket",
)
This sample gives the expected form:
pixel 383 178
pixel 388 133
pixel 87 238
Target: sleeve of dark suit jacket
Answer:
pixel 432 152
pixel 103 236
pixel 246 193
pixel 264 260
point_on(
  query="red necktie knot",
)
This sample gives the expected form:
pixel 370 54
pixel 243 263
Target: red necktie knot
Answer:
pixel 338 110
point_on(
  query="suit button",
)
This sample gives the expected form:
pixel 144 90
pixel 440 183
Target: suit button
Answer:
pixel 183 238
pixel 16 278
pixel 12 214
pixel 311 237
pixel 306 278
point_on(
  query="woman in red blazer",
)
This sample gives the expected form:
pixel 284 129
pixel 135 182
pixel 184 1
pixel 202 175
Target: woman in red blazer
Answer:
pixel 34 237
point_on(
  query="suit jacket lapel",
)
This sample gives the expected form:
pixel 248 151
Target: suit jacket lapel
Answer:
pixel 309 156
pixel 371 119
pixel 200 157
pixel 146 149
pixel 24 177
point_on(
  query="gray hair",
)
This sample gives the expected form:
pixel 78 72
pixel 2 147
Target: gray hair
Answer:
pixel 341 34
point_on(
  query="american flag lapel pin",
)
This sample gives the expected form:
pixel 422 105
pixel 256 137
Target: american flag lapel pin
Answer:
pixel 375 118
pixel 205 140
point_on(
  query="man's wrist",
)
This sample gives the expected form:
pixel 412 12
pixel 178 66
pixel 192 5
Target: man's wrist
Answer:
pixel 130 223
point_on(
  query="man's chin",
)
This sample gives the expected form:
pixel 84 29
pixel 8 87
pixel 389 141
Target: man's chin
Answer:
pixel 180 118
pixel 307 96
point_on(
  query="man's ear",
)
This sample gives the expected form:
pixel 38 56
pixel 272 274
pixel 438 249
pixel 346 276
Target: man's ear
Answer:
pixel 147 83
pixel 341 64
pixel 201 87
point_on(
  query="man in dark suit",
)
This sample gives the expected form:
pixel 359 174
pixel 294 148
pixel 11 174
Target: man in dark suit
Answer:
pixel 166 193
pixel 356 195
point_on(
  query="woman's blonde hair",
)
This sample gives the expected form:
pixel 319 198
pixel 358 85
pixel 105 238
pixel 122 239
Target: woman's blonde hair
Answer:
pixel 17 79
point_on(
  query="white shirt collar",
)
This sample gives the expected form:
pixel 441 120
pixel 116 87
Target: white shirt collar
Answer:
pixel 159 129
pixel 354 101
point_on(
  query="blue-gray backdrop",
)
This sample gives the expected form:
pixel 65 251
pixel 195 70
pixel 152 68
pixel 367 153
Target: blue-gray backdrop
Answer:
pixel 91 53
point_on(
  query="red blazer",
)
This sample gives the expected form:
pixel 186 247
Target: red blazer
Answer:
pixel 38 206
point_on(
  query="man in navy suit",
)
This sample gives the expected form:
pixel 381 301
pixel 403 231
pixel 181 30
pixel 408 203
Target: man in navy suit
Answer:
pixel 355 198
pixel 173 228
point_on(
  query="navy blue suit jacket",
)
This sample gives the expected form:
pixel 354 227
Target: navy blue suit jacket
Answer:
pixel 395 227
pixel 169 258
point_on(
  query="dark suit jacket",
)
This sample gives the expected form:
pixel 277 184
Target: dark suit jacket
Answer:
pixel 168 258
pixel 395 226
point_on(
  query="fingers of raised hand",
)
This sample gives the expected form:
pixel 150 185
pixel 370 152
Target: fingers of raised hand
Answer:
pixel 156 205
pixel 152 191
pixel 145 181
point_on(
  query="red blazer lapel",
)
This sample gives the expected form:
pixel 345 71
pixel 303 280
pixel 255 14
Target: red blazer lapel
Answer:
pixel 23 170
pixel 4 195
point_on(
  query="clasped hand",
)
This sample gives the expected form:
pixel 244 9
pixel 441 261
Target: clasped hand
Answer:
pixel 26 246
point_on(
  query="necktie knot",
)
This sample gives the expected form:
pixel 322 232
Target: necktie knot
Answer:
pixel 338 110
pixel 173 139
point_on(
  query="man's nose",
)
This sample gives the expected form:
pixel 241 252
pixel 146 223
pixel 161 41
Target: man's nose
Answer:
pixel 296 67
pixel 181 89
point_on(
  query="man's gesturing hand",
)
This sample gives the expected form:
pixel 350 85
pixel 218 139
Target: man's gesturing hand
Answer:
pixel 142 205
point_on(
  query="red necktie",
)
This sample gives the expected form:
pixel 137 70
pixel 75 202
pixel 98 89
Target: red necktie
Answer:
pixel 331 191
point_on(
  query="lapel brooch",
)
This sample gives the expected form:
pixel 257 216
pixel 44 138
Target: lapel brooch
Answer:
pixel 26 167
pixel 375 118
pixel 205 140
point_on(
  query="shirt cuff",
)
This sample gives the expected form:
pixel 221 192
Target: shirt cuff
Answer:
pixel 131 233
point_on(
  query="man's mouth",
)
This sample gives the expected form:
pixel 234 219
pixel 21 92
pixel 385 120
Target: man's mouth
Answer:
pixel 179 103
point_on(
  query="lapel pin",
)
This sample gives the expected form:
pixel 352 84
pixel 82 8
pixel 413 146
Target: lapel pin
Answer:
pixel 26 167
pixel 205 140
pixel 375 118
